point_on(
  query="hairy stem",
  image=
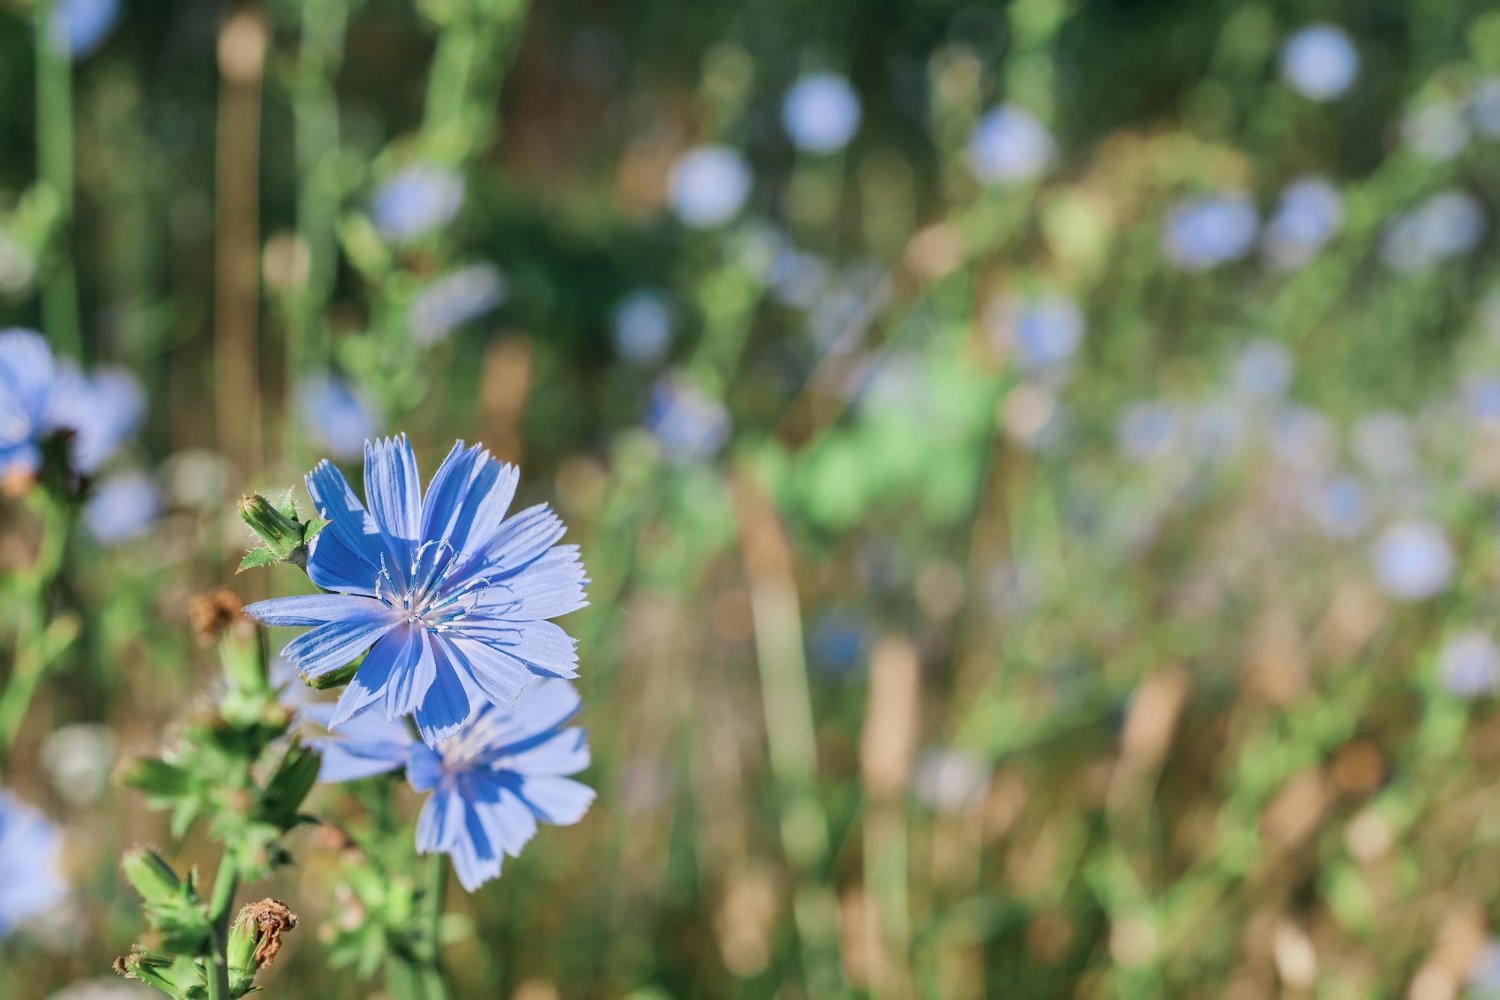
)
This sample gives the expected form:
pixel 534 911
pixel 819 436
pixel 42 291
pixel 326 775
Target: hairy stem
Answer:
pixel 433 985
pixel 220 903
pixel 34 653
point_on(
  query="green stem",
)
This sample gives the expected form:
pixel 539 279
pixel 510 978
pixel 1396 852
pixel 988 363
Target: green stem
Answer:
pixel 34 652
pixel 54 152
pixel 220 903
pixel 433 984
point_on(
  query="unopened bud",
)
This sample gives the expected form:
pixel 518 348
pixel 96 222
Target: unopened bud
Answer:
pixel 280 533
pixel 150 875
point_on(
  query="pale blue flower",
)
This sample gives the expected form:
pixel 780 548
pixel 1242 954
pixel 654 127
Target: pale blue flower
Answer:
pixel 641 326
pixel 490 783
pixel 122 507
pixel 1041 334
pixel 1303 438
pixel 30 855
pixel 454 299
pixel 76 28
pixel 820 113
pixel 415 201
pixel 1263 369
pixel 1309 214
pixel 448 598
pixel 1320 62
pixel 949 779
pixel 1385 444
pixel 335 415
pixel 1205 231
pixel 797 278
pixel 1437 132
pixel 839 640
pixel 1445 225
pixel 1469 664
pixel 1339 506
pixel 1484 970
pixel 1009 145
pixel 688 424
pixel 1148 430
pixel 1484 107
pixel 708 186
pixel 1413 560
pixel 40 397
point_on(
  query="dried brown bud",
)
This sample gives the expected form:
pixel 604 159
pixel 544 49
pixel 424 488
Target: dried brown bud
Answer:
pixel 270 918
pixel 214 613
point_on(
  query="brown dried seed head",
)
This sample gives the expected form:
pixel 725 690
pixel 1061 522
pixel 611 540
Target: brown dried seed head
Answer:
pixel 272 918
pixel 215 612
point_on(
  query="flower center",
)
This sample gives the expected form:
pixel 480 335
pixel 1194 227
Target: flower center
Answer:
pixel 428 595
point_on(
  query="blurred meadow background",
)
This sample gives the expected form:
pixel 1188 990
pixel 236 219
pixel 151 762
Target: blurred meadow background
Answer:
pixel 1037 465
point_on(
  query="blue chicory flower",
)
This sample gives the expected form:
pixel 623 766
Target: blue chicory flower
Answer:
pixel 30 850
pixel 489 784
pixel 1413 560
pixel 708 186
pixel 453 300
pixel 1009 145
pixel 1437 132
pixel 415 201
pixel 1309 214
pixel 688 424
pixel 447 597
pixel 1205 231
pixel 40 396
pixel 642 326
pixel 122 507
pixel 1469 664
pixel 1320 62
pixel 335 415
pixel 820 113
pixel 1445 225
pixel 76 28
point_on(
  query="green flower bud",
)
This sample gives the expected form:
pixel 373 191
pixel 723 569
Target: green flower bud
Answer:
pixel 151 876
pixel 279 533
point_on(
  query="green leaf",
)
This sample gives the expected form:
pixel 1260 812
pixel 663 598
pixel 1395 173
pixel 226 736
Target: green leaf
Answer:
pixel 287 504
pixel 257 557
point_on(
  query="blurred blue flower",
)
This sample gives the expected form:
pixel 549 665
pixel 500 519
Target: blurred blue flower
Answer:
pixel 1042 333
pixel 1484 970
pixel 1446 225
pixel 489 784
pixel 1481 396
pixel 839 640
pixel 448 595
pixel 949 780
pixel 1008 145
pixel 1412 560
pixel 1385 444
pixel 1319 61
pixel 688 424
pixel 122 507
pixel 454 299
pixel 1303 438
pixel 334 415
pixel 76 28
pixel 708 186
pixel 416 200
pixel 1308 215
pixel 820 113
pixel 1469 664
pixel 1484 107
pixel 1147 430
pixel 642 326
pixel 40 397
pixel 1208 230
pixel 1438 131
pixel 1339 506
pixel 1263 369
pixel 798 278
pixel 30 852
